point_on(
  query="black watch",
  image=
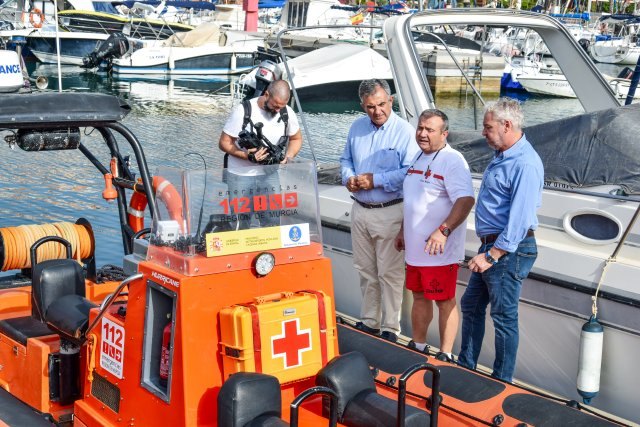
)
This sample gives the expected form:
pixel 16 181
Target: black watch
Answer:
pixel 490 259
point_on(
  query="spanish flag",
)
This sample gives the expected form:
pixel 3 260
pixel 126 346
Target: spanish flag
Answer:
pixel 357 19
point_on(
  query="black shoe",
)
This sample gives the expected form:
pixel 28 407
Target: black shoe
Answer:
pixel 412 346
pixel 364 328
pixel 389 336
pixel 443 357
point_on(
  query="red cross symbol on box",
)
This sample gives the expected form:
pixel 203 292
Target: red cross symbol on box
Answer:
pixel 291 343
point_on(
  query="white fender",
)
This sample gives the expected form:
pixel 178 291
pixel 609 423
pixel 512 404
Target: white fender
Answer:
pixel 11 79
pixel 589 363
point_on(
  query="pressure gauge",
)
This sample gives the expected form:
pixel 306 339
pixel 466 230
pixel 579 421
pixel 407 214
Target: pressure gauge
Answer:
pixel 264 263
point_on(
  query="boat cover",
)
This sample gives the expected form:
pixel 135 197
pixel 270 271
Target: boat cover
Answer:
pixel 335 63
pixel 592 149
pixel 66 108
pixel 204 33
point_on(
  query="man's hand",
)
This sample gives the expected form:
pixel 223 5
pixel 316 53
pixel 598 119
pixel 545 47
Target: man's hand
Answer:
pixel 257 155
pixel 435 243
pixel 479 263
pixel 365 181
pixel 398 243
pixel 352 184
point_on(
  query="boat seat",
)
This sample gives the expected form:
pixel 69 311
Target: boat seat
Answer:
pixel 58 298
pixel 20 329
pixel 359 404
pixel 249 399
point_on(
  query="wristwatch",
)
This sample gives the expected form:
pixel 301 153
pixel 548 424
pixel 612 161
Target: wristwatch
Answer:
pixel 445 230
pixel 491 260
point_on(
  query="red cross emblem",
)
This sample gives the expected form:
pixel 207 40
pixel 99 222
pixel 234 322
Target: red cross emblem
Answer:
pixel 291 343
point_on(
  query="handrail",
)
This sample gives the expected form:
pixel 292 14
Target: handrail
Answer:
pixel 110 299
pixel 333 407
pixel 435 392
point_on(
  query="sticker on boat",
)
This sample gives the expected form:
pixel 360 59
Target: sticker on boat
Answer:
pixel 112 347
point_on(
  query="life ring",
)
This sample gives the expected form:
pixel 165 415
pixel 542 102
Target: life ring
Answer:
pixel 166 192
pixel 36 12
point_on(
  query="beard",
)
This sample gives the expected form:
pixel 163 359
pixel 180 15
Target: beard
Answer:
pixel 271 112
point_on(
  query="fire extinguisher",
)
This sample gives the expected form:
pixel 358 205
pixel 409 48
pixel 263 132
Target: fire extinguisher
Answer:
pixel 166 351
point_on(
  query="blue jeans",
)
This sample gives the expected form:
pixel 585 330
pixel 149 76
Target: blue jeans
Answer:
pixel 499 286
pixel 246 187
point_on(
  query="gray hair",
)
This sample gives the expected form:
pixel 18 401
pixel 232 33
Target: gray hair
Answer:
pixel 506 109
pixel 427 114
pixel 369 87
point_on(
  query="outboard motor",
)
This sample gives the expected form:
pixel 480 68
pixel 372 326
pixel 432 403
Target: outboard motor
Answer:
pixel 267 72
pixel 114 47
pixel 584 43
pixel 625 73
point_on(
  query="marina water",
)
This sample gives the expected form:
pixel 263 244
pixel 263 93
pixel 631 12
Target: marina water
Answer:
pixel 173 118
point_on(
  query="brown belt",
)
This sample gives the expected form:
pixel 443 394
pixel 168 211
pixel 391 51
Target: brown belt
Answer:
pixel 377 205
pixel 490 238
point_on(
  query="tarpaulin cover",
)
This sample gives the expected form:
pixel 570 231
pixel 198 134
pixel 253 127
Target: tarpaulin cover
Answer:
pixel 599 148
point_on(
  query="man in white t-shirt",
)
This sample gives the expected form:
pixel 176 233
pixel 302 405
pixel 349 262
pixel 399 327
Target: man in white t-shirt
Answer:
pixel 246 174
pixel 438 196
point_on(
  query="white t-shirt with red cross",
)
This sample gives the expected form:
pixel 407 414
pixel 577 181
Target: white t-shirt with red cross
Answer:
pixel 432 185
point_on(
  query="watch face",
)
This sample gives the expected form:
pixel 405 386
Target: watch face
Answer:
pixel 445 230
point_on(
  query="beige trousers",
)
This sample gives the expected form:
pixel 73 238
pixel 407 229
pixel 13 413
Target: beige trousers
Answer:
pixel 380 265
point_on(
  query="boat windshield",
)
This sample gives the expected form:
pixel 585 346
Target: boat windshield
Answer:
pixel 218 220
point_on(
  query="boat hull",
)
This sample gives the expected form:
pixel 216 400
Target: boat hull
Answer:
pixel 163 63
pixel 73 47
pixel 615 52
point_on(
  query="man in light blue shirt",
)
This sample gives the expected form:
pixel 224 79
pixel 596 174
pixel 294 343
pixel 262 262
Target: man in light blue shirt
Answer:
pixel 376 157
pixel 510 194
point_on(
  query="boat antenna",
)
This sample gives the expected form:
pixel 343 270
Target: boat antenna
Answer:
pixel 55 17
pixel 204 191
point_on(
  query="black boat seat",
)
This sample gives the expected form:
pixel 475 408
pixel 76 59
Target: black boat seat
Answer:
pixel 58 297
pixel 249 399
pixel 69 316
pixel 359 404
pixel 20 329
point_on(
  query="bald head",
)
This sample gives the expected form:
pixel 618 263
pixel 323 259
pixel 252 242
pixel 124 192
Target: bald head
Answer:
pixel 279 89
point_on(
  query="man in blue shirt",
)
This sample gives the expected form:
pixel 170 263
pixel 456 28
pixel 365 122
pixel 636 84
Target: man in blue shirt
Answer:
pixel 376 157
pixel 509 197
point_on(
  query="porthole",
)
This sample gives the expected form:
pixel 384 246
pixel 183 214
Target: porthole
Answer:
pixel 592 226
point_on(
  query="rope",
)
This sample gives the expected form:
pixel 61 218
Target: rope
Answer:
pixel 110 273
pixel 17 242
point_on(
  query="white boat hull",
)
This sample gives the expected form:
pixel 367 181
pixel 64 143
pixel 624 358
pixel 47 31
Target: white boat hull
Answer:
pixel 615 52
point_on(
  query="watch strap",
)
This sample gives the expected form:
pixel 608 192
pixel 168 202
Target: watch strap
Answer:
pixel 446 231
pixel 490 259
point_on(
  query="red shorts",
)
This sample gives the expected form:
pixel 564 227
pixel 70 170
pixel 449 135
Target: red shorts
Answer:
pixel 437 283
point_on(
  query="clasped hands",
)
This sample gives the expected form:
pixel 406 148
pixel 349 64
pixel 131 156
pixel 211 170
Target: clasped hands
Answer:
pixel 255 155
pixel 360 182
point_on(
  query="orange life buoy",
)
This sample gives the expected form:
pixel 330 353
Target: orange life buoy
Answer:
pixel 166 192
pixel 36 12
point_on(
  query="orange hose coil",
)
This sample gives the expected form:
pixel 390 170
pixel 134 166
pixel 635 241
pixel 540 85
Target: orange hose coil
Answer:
pixel 17 242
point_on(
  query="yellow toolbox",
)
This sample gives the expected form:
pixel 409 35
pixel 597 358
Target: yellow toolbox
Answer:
pixel 287 335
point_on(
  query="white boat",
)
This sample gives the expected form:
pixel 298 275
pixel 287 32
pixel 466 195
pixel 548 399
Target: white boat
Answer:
pixel 331 72
pixel 557 85
pixel 618 48
pixel 586 218
pixel 204 51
